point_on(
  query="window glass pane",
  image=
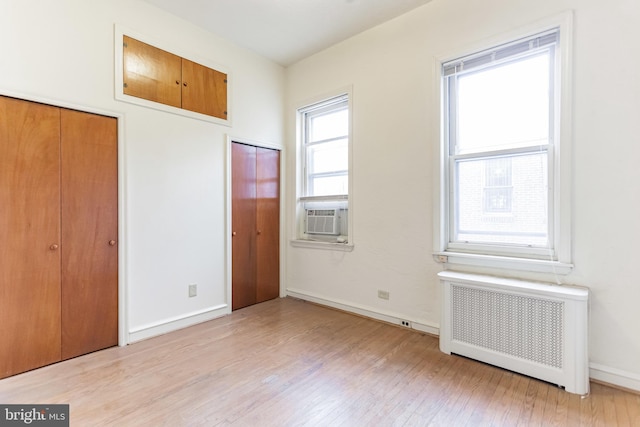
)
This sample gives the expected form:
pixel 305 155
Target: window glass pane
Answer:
pixel 497 199
pixel 515 212
pixel 506 106
pixel 328 185
pixel 328 157
pixel 498 172
pixel 330 125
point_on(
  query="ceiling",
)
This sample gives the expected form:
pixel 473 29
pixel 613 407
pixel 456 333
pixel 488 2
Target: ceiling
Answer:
pixel 286 31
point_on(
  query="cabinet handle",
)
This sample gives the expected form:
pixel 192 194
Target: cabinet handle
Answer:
pixel 185 84
pixel 233 234
pixel 259 232
pixel 53 247
pixel 177 82
pixel 112 242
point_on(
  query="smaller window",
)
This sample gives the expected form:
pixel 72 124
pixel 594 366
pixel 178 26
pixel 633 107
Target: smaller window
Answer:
pixel 326 139
pixel 325 170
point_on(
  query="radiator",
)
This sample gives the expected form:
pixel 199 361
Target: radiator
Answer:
pixel 535 329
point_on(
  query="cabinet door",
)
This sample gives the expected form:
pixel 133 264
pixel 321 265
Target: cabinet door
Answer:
pixel 151 73
pixel 243 213
pixel 89 233
pixel 204 90
pixel 268 224
pixel 29 236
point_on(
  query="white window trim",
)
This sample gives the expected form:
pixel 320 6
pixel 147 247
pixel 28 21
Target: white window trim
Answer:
pixel 443 252
pixel 300 240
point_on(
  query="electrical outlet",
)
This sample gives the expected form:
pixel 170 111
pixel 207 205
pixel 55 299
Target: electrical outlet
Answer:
pixel 383 294
pixel 193 290
pixel 405 323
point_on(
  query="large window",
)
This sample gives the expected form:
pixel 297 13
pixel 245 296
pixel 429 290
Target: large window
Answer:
pixel 324 196
pixel 501 134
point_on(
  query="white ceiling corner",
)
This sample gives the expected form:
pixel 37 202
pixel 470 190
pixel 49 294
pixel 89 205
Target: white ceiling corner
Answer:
pixel 286 31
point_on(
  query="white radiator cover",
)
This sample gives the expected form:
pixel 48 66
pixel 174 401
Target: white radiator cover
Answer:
pixel 536 329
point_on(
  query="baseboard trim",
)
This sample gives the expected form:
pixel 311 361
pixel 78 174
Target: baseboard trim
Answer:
pixel 177 322
pixel 372 313
pixel 614 377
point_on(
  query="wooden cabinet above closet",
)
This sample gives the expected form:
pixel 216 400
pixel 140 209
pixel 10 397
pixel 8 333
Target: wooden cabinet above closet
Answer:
pixel 156 75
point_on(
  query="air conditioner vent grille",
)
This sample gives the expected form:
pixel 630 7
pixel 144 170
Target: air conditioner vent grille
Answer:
pixel 520 326
pixel 322 212
pixel 323 221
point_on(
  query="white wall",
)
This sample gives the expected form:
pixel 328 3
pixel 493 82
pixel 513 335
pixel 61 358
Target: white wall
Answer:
pixel 173 176
pixel 391 69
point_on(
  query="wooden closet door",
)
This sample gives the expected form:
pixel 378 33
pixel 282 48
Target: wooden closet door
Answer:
pixel 268 224
pixel 243 213
pixel 29 236
pixel 89 233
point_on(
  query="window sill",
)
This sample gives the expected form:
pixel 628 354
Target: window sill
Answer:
pixel 510 263
pixel 299 243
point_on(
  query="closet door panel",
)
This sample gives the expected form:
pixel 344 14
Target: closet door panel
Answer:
pixel 29 236
pixel 243 208
pixel 89 233
pixel 268 224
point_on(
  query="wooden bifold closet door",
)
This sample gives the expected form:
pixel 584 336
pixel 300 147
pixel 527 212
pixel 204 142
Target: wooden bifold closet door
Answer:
pixel 29 229
pixel 255 224
pixel 89 233
pixel 58 228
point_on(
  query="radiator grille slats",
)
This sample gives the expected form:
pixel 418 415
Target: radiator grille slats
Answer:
pixel 520 326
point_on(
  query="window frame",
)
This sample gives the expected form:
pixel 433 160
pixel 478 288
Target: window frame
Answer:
pixel 308 113
pixel 339 98
pixel 558 259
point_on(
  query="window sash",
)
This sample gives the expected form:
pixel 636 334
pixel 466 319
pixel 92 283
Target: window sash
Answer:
pixel 459 223
pixel 314 180
pixel 451 84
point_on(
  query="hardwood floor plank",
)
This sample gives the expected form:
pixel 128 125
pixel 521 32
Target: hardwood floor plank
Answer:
pixel 632 405
pixel 291 363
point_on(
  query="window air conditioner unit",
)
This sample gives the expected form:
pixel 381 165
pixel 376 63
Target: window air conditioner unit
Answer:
pixel 323 221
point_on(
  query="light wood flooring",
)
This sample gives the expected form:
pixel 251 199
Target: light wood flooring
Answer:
pixel 291 363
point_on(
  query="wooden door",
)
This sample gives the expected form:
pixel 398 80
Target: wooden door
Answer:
pixel 243 213
pixel 151 73
pixel 29 236
pixel 255 220
pixel 89 233
pixel 268 224
pixel 204 90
